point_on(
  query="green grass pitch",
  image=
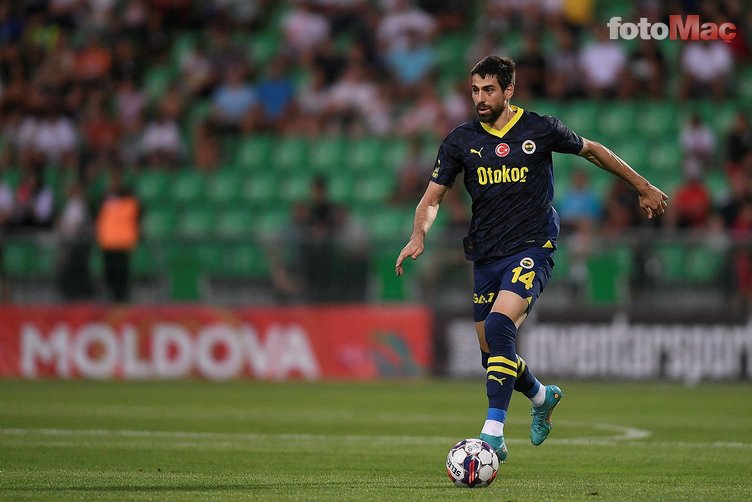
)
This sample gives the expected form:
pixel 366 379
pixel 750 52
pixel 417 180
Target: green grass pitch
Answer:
pixel 194 440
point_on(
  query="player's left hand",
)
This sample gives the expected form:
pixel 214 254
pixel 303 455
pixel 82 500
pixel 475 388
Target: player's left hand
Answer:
pixel 653 201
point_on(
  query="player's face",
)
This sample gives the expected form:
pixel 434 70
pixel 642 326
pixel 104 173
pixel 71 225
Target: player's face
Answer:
pixel 488 97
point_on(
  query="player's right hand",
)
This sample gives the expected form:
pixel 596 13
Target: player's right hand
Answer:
pixel 413 249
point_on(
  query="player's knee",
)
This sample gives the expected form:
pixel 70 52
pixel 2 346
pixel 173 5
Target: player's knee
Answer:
pixel 500 332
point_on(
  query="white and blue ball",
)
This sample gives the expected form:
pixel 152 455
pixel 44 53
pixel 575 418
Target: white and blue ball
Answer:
pixel 472 463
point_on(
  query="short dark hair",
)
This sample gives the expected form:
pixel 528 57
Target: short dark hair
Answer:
pixel 500 66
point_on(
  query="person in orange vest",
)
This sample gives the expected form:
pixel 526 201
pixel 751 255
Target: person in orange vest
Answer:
pixel 118 231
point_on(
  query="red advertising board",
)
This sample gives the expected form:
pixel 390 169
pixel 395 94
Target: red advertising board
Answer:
pixel 162 342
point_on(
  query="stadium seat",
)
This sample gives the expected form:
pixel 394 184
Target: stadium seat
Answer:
pixel 234 224
pixel 581 117
pixel 144 261
pixel 657 122
pixel 290 154
pixel 617 120
pixel 159 223
pixel 608 273
pixel 196 223
pixel 263 46
pixel 671 260
pixel 254 152
pixel 389 224
pixel 261 188
pixel 245 261
pixel 153 187
pixel 393 155
pixel 188 188
pixel 327 154
pixel 272 223
pixel 295 187
pixel 705 264
pixel 224 188
pixel 342 185
pixel 665 157
pixel 23 258
pixel 157 80
pixel 365 154
pixel 375 188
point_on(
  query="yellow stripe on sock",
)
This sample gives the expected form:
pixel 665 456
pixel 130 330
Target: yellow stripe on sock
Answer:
pixel 502 360
pixel 520 365
pixel 502 369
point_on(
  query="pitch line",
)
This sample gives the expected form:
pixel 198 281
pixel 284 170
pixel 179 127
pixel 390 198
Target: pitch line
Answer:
pixel 621 435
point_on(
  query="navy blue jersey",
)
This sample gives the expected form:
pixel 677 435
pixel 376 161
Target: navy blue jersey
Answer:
pixel 509 175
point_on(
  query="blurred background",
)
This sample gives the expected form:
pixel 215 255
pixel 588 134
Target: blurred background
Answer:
pixel 275 152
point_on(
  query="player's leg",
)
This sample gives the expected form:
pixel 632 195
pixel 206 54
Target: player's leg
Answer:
pixel 500 334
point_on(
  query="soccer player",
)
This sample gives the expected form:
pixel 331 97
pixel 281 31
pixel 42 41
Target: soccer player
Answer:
pixel 505 158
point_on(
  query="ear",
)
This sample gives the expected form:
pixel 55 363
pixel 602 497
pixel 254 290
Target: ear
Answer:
pixel 509 92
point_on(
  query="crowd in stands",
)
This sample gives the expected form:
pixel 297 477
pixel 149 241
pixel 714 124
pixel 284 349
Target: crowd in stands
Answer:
pixel 77 92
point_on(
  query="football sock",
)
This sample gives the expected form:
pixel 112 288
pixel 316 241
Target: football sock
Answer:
pixel 493 428
pixel 501 372
pixel 528 384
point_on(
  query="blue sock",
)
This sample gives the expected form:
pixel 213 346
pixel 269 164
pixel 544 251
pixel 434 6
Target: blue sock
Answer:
pixel 501 372
pixel 526 381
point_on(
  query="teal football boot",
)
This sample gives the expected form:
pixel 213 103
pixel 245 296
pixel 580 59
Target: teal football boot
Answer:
pixel 541 425
pixel 498 445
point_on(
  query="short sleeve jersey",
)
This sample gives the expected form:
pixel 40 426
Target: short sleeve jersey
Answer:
pixel 509 175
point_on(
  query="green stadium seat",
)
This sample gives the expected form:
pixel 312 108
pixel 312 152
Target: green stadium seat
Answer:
pixel 375 188
pixel 188 188
pixel 617 120
pixel 718 185
pixel 28 259
pixel 704 264
pixel 388 224
pixel 159 223
pixel 261 188
pixel 145 264
pixel 607 275
pixel 272 223
pixel 224 187
pixel 254 152
pixel 671 257
pixel 393 155
pixel 342 185
pixel 263 46
pixel 658 121
pixel 246 261
pixel 744 87
pixel 290 154
pixel 365 154
pixel 327 154
pixel 234 224
pixel 153 187
pixel 197 223
pixel 156 81
pixel 295 187
pixel 664 157
pixel 581 117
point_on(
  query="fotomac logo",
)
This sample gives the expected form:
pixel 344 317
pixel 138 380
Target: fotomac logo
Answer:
pixel 676 29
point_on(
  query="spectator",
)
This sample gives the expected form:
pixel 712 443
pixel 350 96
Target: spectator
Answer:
pixel 6 206
pixel 602 63
pixel 401 22
pixel 563 81
pixel 304 29
pixel 34 201
pixel 412 62
pixel 692 204
pixel 93 61
pixel 275 93
pixel 646 71
pixel 74 230
pixel 580 202
pixel 129 105
pixel 234 103
pixel 739 139
pixel 531 68
pixel 161 144
pixel 117 231
pixel 698 144
pixel 706 67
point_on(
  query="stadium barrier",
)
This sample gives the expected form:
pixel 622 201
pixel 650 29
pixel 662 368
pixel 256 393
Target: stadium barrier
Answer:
pixel 168 342
pixel 619 349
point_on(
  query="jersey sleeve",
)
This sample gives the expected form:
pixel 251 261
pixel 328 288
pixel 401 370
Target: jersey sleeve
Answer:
pixel 563 139
pixel 447 165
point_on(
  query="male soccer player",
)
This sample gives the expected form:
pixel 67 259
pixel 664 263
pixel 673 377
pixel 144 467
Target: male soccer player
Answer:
pixel 505 158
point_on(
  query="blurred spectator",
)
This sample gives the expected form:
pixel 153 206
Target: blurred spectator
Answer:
pixel 161 144
pixel 330 262
pixel 426 115
pixel 698 144
pixel 602 62
pixel 129 105
pixel 117 231
pixel 691 205
pixel 401 22
pixel 646 71
pixel 34 201
pixel 531 68
pixel 233 103
pixel 275 93
pixel 740 191
pixel 412 62
pixel 312 102
pixel 706 67
pixel 412 176
pixel 304 28
pixel 356 104
pixel 621 211
pixel 101 132
pixel 741 229
pixel 206 154
pixel 563 79
pixel 93 61
pixel 196 72
pixel 739 139
pixel 579 202
pixel 74 230
pixel 6 206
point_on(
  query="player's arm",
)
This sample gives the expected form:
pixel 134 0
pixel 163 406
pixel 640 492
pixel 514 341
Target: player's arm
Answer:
pixel 425 215
pixel 652 200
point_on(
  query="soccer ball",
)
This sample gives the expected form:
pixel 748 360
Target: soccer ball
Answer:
pixel 472 463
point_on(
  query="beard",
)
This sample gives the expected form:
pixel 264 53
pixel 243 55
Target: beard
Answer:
pixel 490 114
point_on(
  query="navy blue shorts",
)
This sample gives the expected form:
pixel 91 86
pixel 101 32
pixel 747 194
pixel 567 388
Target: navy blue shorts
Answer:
pixel 525 273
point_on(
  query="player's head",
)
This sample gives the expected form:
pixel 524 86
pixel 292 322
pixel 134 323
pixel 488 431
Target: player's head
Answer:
pixel 492 81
